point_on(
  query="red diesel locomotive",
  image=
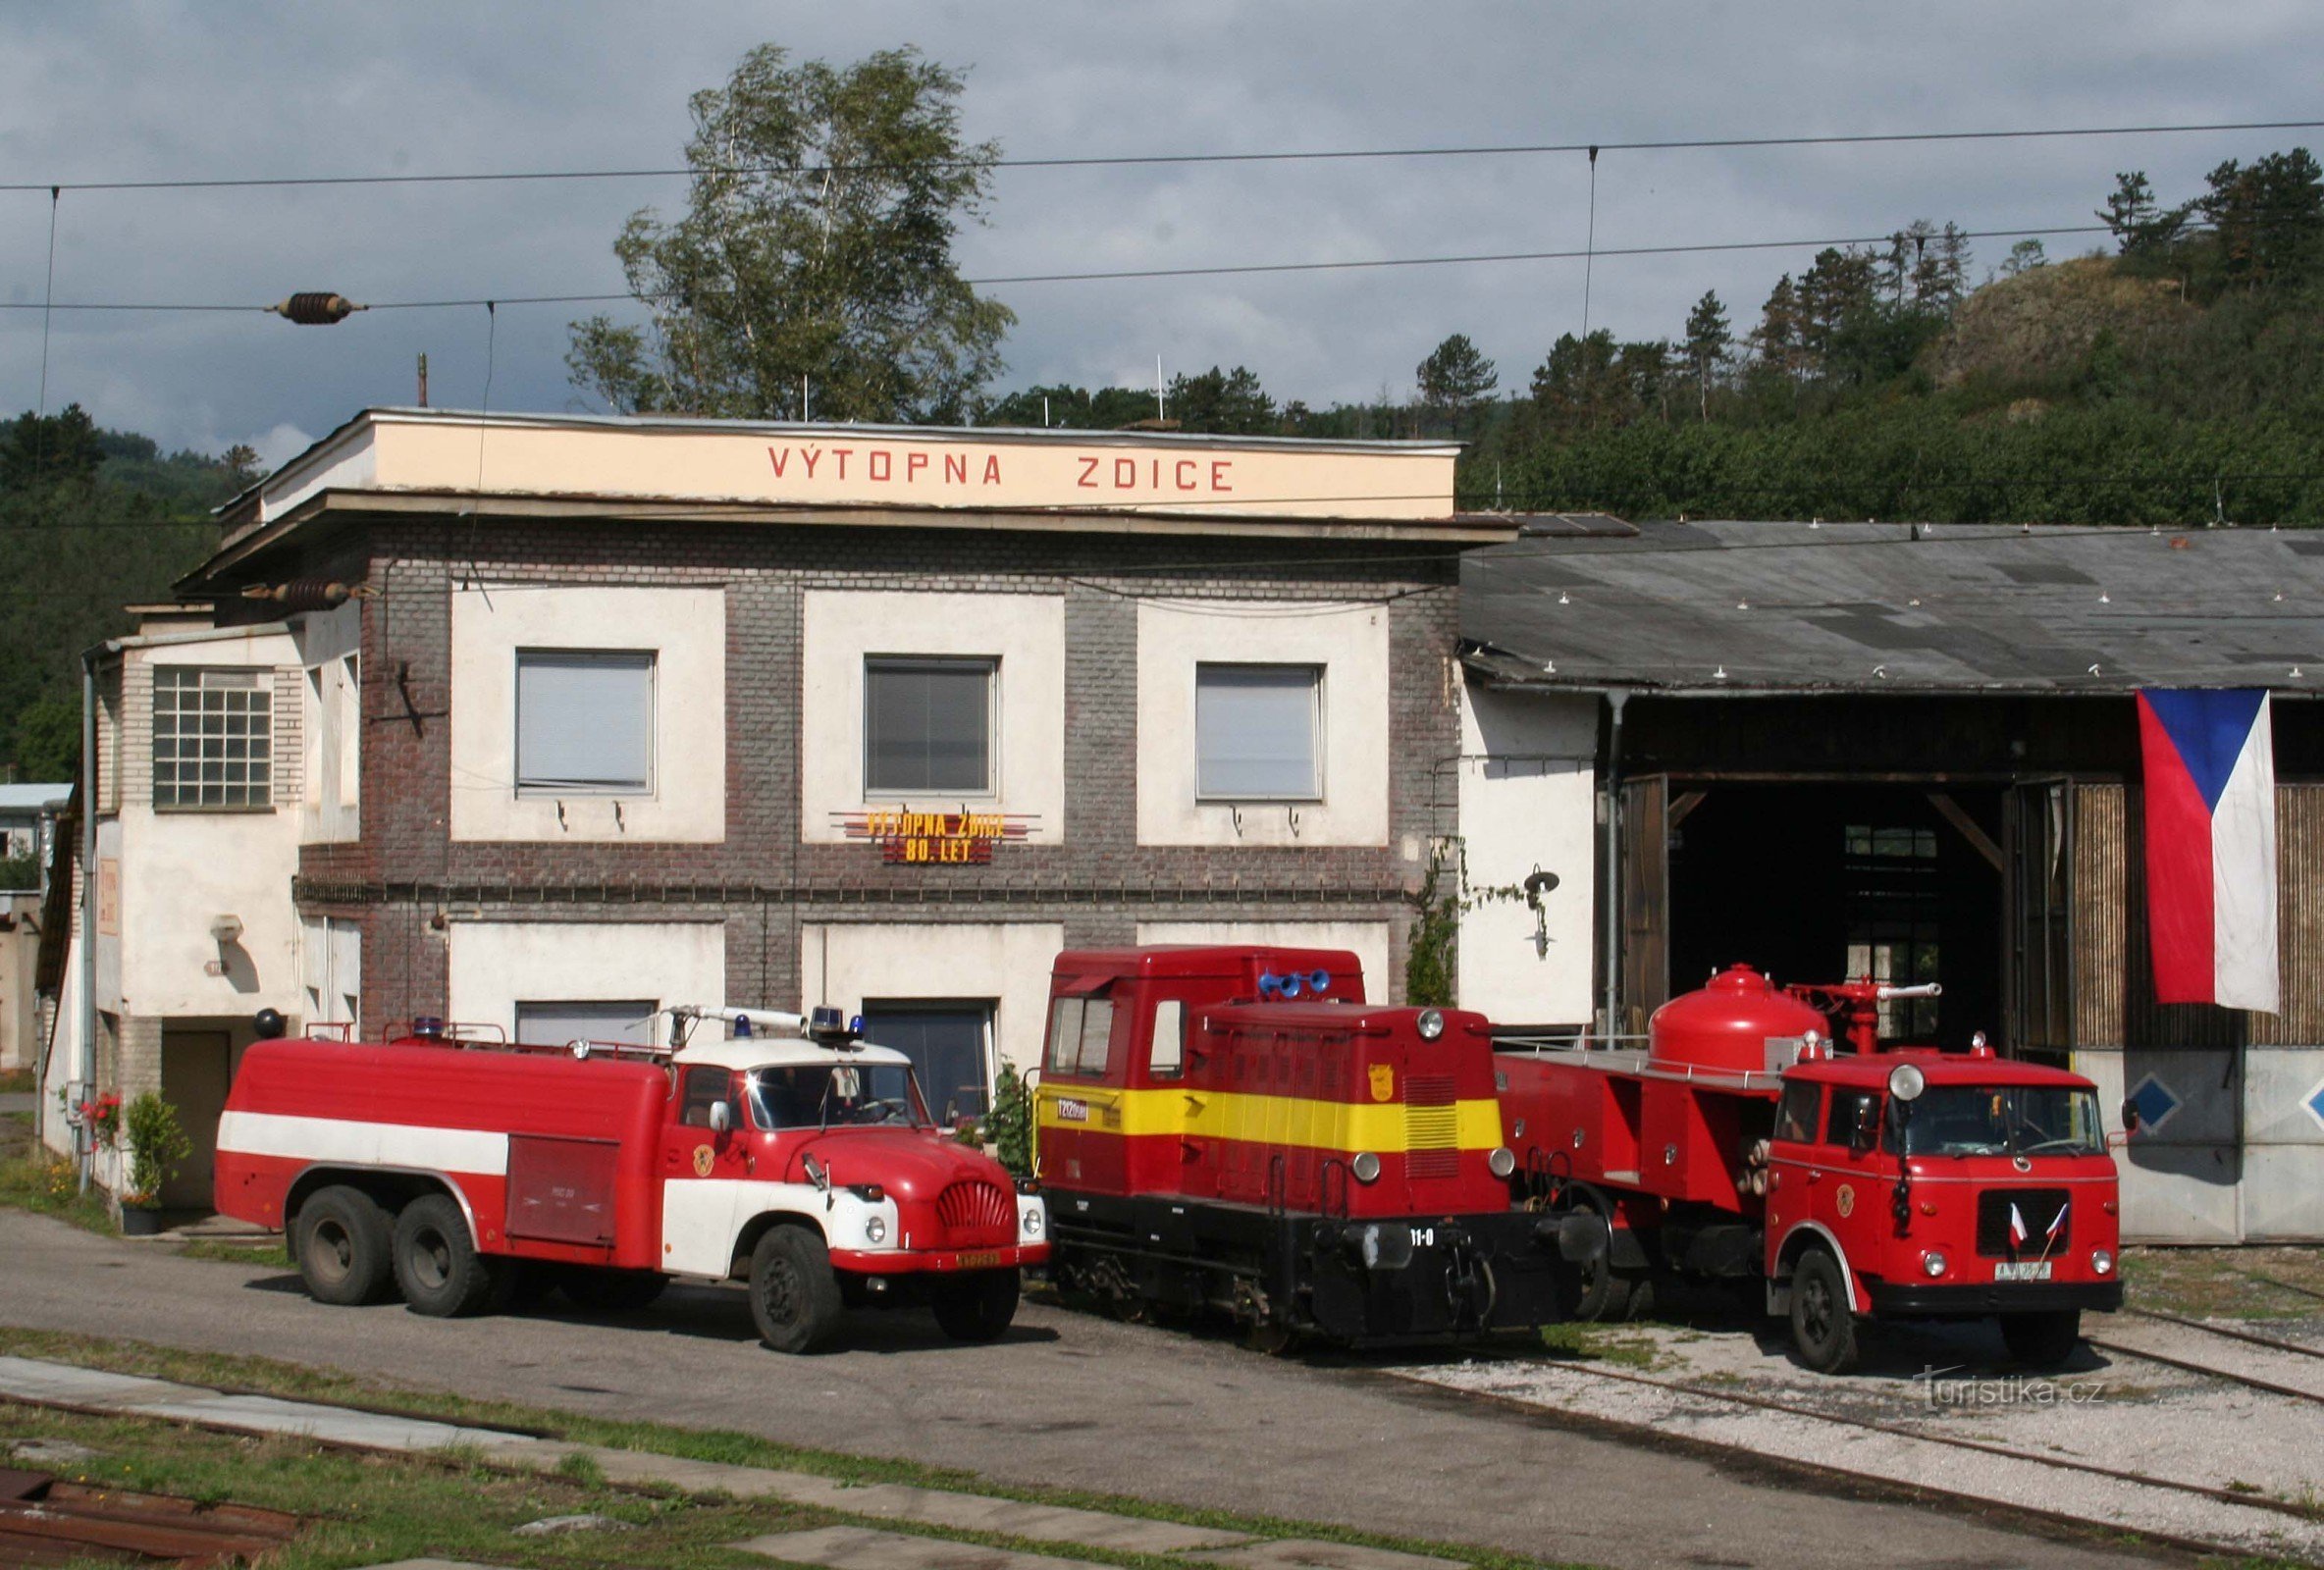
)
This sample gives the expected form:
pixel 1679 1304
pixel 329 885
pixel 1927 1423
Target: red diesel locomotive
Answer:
pixel 1236 1128
pixel 1894 1184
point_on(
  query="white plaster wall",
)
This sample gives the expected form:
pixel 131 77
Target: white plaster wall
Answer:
pixel 1369 940
pixel 685 628
pixel 843 962
pixel 331 960
pixel 1024 633
pixel 1528 799
pixel 333 736
pixel 496 965
pixel 1348 641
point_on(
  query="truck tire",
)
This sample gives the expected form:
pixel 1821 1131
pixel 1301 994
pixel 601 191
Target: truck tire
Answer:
pixel 794 1296
pixel 978 1306
pixel 612 1292
pixel 436 1266
pixel 343 1244
pixel 2042 1340
pixel 1822 1319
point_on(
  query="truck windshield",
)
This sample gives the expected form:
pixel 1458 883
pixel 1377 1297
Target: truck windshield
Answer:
pixel 835 1096
pixel 2004 1121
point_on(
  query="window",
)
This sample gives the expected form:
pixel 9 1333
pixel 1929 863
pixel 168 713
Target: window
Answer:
pixel 1839 1128
pixel 1795 1114
pixel 927 725
pixel 1893 904
pixel 1169 1040
pixel 703 1087
pixel 1257 730
pixel 585 722
pixel 555 1024
pixel 1081 1036
pixel 947 1043
pixel 213 738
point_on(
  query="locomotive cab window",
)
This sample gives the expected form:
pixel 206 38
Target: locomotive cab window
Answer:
pixel 1795 1114
pixel 1168 1059
pixel 1081 1035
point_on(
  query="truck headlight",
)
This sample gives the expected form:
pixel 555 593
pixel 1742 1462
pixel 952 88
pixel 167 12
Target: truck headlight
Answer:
pixel 1430 1024
pixel 1031 1222
pixel 2102 1261
pixel 875 1230
pixel 1932 1263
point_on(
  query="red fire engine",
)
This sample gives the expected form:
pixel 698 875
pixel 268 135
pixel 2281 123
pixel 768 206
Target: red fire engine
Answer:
pixel 1886 1183
pixel 1237 1129
pixel 791 1156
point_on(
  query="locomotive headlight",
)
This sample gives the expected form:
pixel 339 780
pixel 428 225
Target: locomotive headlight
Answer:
pixel 875 1230
pixel 2102 1261
pixel 1365 1166
pixel 1932 1263
pixel 1502 1162
pixel 1430 1024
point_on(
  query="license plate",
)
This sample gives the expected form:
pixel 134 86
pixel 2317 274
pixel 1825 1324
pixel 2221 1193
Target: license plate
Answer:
pixel 985 1259
pixel 2028 1269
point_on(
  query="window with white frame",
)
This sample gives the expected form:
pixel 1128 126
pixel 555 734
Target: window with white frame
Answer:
pixel 927 725
pixel 584 723
pixel 629 1019
pixel 213 738
pixel 1258 733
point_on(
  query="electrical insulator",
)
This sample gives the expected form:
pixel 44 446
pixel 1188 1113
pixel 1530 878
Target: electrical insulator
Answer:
pixel 316 308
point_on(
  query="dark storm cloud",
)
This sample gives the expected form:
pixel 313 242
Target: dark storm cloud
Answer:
pixel 98 92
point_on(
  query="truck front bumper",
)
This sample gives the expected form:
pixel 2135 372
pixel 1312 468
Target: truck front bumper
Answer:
pixel 1992 1297
pixel 927 1261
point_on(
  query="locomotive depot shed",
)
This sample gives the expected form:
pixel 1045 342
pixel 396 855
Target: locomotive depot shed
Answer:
pixel 1916 746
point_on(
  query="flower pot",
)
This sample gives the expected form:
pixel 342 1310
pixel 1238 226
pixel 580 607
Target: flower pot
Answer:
pixel 140 1220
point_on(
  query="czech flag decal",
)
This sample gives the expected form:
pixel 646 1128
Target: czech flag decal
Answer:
pixel 2210 844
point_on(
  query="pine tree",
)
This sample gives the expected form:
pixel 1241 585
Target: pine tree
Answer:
pixel 1455 379
pixel 1707 338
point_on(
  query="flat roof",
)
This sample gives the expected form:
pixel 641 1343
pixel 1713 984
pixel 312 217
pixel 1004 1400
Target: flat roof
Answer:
pixel 1733 606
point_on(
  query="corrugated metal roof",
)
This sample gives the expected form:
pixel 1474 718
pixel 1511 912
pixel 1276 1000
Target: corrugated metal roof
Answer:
pixel 1733 606
pixel 34 798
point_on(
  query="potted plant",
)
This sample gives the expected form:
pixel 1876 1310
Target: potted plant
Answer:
pixel 156 1145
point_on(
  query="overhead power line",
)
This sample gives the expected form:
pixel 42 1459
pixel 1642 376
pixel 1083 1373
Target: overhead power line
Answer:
pixel 1141 160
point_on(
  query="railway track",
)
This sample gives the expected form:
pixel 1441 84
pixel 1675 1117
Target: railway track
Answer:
pixel 1766 1425
pixel 2310 1383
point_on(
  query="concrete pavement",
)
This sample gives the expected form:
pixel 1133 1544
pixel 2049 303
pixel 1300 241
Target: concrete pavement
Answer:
pixel 1065 1400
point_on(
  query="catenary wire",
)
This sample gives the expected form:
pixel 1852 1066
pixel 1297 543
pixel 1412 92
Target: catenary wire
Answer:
pixel 1141 160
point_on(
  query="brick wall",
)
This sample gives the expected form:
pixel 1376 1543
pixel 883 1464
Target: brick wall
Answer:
pixel 404 879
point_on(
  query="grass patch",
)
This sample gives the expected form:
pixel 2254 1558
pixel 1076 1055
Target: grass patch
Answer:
pixel 1615 1344
pixel 255 1251
pixel 16 1082
pixel 48 1185
pixel 269 1377
pixel 2252 1283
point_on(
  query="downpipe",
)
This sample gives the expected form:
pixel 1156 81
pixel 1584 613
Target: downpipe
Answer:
pixel 83 1148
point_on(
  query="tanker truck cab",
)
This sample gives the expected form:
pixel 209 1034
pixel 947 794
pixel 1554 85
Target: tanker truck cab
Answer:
pixel 1917 1184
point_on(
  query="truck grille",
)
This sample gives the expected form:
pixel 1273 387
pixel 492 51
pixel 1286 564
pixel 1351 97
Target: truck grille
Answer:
pixel 2037 1207
pixel 1432 1126
pixel 977 1212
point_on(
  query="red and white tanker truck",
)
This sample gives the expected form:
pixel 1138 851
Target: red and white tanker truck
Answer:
pixel 789 1155
pixel 1896 1183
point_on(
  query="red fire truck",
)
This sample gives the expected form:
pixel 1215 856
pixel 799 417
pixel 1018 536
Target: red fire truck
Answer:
pixel 1893 1183
pixel 789 1154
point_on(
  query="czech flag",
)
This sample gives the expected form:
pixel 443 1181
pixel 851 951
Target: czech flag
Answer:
pixel 2019 1232
pixel 2210 844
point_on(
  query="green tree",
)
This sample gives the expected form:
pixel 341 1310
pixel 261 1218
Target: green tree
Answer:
pixel 49 449
pixel 2024 256
pixel 1070 407
pixel 1707 340
pixel 813 274
pixel 1221 403
pixel 2139 224
pixel 48 739
pixel 1455 379
pixel 2267 219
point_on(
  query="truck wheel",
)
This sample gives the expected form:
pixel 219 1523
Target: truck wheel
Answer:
pixel 1822 1319
pixel 794 1296
pixel 343 1244
pixel 437 1264
pixel 612 1292
pixel 2042 1340
pixel 977 1307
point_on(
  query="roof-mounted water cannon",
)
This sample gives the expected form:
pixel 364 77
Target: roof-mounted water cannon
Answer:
pixel 1861 998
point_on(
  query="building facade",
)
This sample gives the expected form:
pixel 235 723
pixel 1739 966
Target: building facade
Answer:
pixel 576 719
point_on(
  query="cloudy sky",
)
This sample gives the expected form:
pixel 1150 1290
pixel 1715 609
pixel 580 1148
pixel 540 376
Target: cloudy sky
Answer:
pixel 208 88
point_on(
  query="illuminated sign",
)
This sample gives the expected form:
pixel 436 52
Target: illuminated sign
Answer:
pixel 935 839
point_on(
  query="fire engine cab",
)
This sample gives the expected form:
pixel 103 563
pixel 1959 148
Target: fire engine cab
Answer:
pixel 1864 1183
pixel 753 1145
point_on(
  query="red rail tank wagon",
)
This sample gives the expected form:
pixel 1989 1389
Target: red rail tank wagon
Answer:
pixel 1237 1128
pixel 464 1173
pixel 1864 1184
